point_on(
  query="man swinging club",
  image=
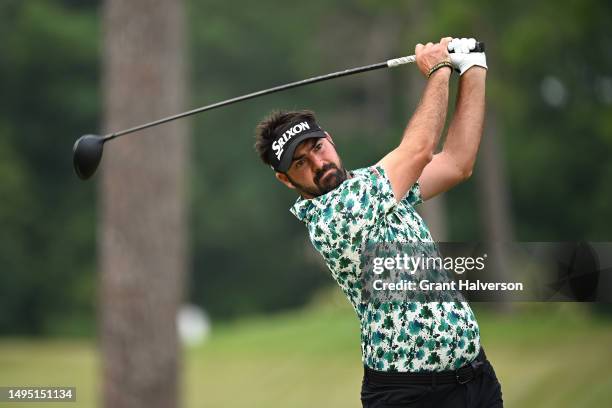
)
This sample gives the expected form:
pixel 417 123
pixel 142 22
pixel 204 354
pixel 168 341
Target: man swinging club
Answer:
pixel 421 354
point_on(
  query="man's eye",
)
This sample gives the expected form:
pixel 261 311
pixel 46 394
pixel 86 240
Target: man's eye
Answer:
pixel 299 163
pixel 318 146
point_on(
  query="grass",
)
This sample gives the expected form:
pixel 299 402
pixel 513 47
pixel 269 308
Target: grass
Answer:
pixel 554 355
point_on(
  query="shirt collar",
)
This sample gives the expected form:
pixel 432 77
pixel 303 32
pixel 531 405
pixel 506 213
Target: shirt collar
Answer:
pixel 304 208
pixel 300 208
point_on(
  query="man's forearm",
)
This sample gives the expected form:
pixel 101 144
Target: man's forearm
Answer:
pixel 466 127
pixel 405 163
pixel 424 128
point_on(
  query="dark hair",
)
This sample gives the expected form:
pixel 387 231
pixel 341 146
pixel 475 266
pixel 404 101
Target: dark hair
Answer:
pixel 268 129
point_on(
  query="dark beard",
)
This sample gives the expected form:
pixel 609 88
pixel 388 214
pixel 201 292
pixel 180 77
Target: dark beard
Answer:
pixel 330 182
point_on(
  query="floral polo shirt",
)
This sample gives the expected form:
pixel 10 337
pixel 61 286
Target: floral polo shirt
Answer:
pixel 395 336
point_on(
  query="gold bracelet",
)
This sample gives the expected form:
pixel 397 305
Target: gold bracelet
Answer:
pixel 438 66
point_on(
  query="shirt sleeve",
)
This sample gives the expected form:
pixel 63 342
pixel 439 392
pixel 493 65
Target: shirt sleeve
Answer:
pixel 412 197
pixel 361 202
pixel 366 199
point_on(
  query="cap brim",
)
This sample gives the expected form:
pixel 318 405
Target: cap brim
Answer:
pixel 287 157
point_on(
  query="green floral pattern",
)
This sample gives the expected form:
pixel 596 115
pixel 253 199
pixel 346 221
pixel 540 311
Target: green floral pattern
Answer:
pixel 395 336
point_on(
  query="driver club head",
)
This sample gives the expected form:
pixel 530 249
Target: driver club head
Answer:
pixel 87 153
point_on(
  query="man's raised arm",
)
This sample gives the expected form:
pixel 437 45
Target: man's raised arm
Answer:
pixel 405 163
pixel 455 162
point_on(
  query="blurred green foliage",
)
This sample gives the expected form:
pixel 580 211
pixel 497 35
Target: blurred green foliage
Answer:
pixel 49 75
pixel 549 87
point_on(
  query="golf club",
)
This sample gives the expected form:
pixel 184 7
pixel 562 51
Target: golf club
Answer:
pixel 88 149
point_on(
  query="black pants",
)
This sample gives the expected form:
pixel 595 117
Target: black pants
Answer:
pixel 484 391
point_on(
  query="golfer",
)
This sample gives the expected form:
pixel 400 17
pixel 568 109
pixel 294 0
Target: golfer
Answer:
pixel 420 354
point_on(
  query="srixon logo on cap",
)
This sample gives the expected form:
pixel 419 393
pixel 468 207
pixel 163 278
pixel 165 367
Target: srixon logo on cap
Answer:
pixel 295 130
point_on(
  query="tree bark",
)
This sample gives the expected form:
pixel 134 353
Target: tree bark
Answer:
pixel 494 199
pixel 142 234
pixel 493 186
pixel 382 43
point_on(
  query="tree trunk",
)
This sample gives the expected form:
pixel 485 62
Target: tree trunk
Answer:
pixel 142 234
pixel 494 201
pixel 493 186
pixel 382 43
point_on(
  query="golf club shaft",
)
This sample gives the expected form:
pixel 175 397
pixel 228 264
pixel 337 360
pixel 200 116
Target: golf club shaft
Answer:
pixel 391 63
pixel 387 64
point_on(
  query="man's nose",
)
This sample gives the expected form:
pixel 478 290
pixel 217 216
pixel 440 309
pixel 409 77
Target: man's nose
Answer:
pixel 317 163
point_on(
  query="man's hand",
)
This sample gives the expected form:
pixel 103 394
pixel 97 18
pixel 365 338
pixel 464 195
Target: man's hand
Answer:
pixel 430 55
pixel 462 58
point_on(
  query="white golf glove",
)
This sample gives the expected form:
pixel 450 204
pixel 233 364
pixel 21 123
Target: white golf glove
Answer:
pixel 462 59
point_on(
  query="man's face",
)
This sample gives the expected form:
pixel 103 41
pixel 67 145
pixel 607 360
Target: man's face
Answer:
pixel 316 168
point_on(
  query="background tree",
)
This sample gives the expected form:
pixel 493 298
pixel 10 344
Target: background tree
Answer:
pixel 142 245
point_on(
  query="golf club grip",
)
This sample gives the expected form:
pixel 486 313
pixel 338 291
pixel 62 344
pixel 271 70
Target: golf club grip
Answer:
pixel 396 62
pixel 480 47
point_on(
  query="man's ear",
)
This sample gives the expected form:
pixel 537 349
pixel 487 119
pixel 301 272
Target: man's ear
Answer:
pixel 282 177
